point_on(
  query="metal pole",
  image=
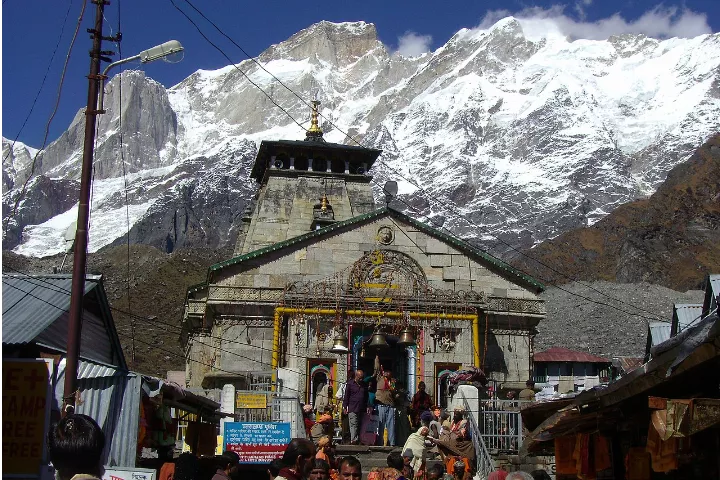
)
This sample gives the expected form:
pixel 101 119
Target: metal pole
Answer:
pixel 81 234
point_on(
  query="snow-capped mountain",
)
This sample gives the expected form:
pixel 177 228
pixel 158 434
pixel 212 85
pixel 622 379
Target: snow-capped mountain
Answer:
pixel 528 137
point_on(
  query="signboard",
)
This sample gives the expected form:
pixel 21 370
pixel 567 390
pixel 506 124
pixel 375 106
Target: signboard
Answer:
pixel 250 400
pixel 128 473
pixel 26 393
pixel 259 442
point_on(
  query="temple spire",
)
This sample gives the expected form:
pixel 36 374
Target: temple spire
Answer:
pixel 314 133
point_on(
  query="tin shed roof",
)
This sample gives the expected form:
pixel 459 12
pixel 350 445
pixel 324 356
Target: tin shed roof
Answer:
pixel 559 354
pixel 30 304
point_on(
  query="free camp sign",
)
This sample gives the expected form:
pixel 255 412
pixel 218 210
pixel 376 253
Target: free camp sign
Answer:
pixel 26 413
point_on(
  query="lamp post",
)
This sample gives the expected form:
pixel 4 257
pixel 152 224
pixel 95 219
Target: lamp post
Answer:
pixel 95 84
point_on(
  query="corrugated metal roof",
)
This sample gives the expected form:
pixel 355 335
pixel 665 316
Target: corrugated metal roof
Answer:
pixel 111 397
pixel 687 314
pixel 659 332
pixel 559 354
pixel 32 303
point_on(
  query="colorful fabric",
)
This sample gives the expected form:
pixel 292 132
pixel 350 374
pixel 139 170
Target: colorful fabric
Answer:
pixel 637 464
pixel 602 453
pixel 663 453
pixel 564 461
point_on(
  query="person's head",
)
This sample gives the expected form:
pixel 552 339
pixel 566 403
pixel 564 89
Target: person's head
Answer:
pixel 426 417
pixel 459 469
pixel 274 468
pixel 519 476
pixel 435 472
pixel 436 411
pixel 299 456
pixel 323 443
pixel 421 386
pixel 387 374
pixel 395 460
pixel 75 445
pixel 407 456
pixel 350 468
pixel 320 470
pixel 328 409
pixel 530 384
pixel 423 431
pixel 511 395
pixel 307 409
pixel 408 472
pixel 229 461
pixel 187 467
pixel 458 414
pixel 359 375
pixel 540 474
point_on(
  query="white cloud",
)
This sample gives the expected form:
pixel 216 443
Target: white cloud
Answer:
pixel 580 6
pixel 659 22
pixel 412 45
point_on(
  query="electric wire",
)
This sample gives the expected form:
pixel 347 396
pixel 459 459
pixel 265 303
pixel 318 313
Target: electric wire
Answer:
pixel 42 83
pixel 23 191
pixel 447 205
pixel 125 182
pixel 149 322
pixel 247 77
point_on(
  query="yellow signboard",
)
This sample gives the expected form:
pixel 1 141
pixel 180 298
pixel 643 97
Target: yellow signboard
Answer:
pixel 26 412
pixel 250 400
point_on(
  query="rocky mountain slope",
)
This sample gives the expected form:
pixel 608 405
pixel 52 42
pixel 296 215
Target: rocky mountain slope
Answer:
pixel 671 238
pixel 529 137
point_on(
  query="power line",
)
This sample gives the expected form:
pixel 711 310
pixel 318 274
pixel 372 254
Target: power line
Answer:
pixel 49 122
pixel 42 84
pixel 234 65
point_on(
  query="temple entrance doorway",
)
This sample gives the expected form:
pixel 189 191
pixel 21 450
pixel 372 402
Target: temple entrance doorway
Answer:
pixel 393 358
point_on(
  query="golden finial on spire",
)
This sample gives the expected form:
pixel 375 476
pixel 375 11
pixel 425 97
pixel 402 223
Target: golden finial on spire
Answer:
pixel 324 203
pixel 314 132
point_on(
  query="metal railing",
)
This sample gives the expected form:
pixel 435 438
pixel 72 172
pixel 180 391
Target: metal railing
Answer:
pixel 500 424
pixel 288 409
pixel 485 463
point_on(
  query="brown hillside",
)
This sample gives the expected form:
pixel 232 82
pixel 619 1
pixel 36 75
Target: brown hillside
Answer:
pixel 671 238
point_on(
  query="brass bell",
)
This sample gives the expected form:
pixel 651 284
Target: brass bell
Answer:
pixel 406 338
pixel 340 344
pixel 362 352
pixel 379 340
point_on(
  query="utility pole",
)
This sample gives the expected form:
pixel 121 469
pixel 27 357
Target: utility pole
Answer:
pixel 81 234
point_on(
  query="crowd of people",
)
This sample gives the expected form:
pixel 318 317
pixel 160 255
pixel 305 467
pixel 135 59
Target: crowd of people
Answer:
pixel 76 444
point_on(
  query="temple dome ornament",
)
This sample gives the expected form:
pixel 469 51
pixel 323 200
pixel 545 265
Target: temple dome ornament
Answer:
pixel 314 133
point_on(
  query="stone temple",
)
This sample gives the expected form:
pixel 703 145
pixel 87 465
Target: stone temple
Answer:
pixel 319 268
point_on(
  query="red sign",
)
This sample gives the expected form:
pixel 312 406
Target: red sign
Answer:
pixel 257 453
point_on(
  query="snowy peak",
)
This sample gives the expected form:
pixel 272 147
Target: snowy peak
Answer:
pixel 338 44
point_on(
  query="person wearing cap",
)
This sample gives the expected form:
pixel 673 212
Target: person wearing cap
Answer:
pixel 323 427
pixel 307 418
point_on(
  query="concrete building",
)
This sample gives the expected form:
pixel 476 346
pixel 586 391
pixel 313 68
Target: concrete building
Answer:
pixel 319 266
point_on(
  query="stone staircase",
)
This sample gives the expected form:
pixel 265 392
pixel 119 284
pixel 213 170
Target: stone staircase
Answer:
pixel 370 457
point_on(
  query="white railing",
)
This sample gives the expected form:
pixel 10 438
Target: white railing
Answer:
pixel 500 424
pixel 288 409
pixel 485 463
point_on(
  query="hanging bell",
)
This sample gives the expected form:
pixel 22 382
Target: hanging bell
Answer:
pixel 362 352
pixel 406 338
pixel 340 344
pixel 379 340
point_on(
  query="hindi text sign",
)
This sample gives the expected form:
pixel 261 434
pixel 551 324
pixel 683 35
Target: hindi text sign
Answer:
pixel 250 400
pixel 257 442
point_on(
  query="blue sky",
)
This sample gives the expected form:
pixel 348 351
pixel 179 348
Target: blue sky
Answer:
pixel 31 31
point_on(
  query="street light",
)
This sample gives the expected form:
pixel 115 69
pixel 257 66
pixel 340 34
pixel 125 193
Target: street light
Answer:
pixel 95 83
pixel 169 49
